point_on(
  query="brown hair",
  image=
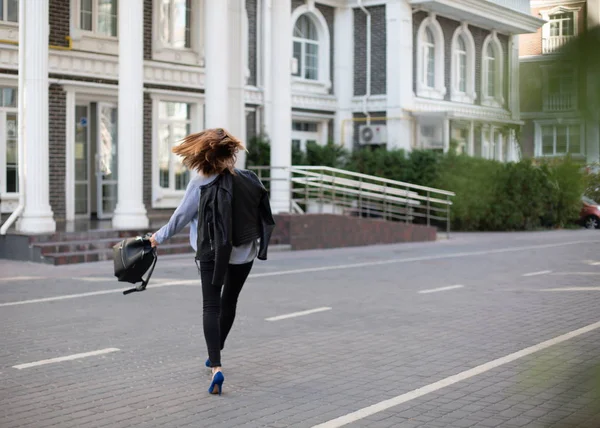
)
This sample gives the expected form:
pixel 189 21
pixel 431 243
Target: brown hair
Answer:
pixel 211 151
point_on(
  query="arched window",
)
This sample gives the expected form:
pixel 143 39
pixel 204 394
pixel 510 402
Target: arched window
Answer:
pixel 306 49
pixel 492 79
pixel 463 66
pixel 430 61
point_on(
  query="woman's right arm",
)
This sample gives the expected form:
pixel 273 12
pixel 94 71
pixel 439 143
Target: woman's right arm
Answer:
pixel 185 212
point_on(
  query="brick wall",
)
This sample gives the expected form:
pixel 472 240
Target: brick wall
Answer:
pixel 329 13
pixel 378 51
pixel 310 231
pixel 57 111
pixel 252 10
pixel 59 17
pixel 148 29
pixel 148 152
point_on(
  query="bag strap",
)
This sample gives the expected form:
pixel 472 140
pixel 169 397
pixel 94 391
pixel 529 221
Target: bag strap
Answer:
pixel 145 282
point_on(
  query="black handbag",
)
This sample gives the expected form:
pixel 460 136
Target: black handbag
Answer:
pixel 133 257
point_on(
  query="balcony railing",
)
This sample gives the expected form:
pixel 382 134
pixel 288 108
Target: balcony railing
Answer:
pixel 559 102
pixel 554 43
pixel 518 5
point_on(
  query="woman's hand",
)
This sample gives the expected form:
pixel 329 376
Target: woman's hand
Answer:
pixel 153 240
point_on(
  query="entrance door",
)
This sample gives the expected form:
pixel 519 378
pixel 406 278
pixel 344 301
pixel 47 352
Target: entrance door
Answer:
pixel 82 157
pixel 106 160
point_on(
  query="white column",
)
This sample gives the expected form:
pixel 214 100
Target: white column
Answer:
pixel 130 212
pixel 513 77
pixel 343 33
pixel 236 114
pixel 265 77
pixel 216 48
pixel 281 112
pixel 471 149
pixel 399 65
pixel 446 135
pixel 37 216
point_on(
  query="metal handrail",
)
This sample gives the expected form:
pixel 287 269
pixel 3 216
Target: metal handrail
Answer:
pixel 352 193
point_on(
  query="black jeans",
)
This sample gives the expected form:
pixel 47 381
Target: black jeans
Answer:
pixel 219 304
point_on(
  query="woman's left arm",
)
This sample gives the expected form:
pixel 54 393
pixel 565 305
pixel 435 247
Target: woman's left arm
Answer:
pixel 185 212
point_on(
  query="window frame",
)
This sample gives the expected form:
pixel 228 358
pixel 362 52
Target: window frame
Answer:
pixel 91 40
pixel 547 46
pixel 496 99
pixel 161 197
pixel 423 88
pixel 304 42
pixel 4 11
pixel 323 83
pixel 9 30
pixel 8 200
pixel 549 72
pixel 469 94
pixel 539 126
pixel 193 55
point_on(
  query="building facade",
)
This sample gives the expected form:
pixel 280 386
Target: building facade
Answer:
pixel 554 94
pixel 105 89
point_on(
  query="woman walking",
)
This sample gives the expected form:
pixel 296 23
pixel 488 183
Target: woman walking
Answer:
pixel 230 225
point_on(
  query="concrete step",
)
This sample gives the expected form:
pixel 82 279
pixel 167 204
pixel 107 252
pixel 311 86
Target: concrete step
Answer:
pixel 74 246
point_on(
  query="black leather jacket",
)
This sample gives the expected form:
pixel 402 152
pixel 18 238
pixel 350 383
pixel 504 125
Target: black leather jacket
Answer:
pixel 233 210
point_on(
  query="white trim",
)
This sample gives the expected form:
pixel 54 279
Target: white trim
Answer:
pixel 497 99
pixel 194 54
pixel 439 90
pixel 545 14
pixel 9 31
pixel 469 95
pixel 323 83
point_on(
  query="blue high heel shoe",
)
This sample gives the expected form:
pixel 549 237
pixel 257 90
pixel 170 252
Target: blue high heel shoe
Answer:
pixel 216 386
pixel 207 363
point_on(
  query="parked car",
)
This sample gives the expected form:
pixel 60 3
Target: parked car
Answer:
pixel 589 215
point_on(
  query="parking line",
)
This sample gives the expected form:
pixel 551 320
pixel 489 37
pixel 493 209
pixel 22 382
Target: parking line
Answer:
pixel 21 278
pixel 451 380
pixel 542 272
pixel 67 358
pixel 298 314
pixel 435 290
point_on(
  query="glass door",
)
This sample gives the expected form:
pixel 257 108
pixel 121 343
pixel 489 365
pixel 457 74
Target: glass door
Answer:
pixel 82 156
pixel 106 160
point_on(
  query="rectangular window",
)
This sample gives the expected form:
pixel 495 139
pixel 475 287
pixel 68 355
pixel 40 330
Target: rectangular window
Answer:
pixel 99 16
pixel 9 10
pixel 559 140
pixel 174 124
pixel 9 160
pixel 562 24
pixel 175 23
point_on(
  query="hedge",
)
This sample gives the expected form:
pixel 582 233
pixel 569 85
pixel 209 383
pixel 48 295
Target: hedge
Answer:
pixel 490 196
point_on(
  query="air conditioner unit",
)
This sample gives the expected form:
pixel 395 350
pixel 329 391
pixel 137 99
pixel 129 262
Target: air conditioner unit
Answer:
pixel 372 134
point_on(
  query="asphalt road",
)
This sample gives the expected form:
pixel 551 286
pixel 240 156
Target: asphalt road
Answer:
pixel 482 330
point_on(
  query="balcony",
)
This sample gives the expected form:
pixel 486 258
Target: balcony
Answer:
pixel 559 102
pixel 553 44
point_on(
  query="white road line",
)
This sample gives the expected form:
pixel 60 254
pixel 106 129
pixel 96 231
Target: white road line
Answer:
pixel 298 314
pixel 21 278
pixel 326 268
pixel 572 289
pixel 67 358
pixel 451 380
pixel 542 272
pixel 435 290
pixel 78 295
pixel 94 278
pixel 576 273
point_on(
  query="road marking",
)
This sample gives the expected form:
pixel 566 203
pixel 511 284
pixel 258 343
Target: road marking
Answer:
pixel 94 278
pixel 435 290
pixel 78 295
pixel 572 289
pixel 576 273
pixel 21 278
pixel 298 314
pixel 451 380
pixel 324 269
pixel 67 358
pixel 542 272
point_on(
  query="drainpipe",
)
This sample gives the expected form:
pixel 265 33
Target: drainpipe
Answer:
pixel 368 91
pixel 20 149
